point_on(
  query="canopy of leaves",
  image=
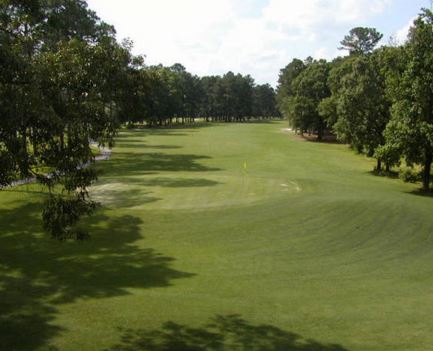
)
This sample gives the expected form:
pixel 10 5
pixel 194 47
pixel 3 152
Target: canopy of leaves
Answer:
pixel 361 40
pixel 56 95
pixel 411 128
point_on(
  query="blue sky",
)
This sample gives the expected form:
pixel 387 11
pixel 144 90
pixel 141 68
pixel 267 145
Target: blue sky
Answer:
pixel 256 37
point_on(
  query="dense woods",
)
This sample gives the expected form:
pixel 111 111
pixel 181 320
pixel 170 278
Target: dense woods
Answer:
pixel 378 100
pixel 159 95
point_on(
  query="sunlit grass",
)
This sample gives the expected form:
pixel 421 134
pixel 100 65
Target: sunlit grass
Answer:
pixel 298 239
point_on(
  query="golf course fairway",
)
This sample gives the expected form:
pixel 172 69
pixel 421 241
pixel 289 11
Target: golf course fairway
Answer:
pixel 224 237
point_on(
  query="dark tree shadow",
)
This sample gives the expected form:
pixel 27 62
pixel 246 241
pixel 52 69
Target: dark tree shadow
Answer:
pixel 149 163
pixel 134 145
pixel 386 174
pixel 126 134
pixel 257 121
pixel 38 273
pixel 223 333
pixel 25 320
pixel 326 139
pixel 128 138
pixel 395 175
pixel 23 189
pixel 421 192
pixel 179 182
pixel 180 126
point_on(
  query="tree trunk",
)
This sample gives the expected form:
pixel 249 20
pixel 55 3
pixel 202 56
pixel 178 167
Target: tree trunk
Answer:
pixel 428 154
pixel 24 156
pixel 320 135
pixel 62 140
pixel 379 165
pixel 35 147
pixel 427 170
pixel 320 131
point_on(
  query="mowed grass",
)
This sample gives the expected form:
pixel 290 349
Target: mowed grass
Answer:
pixel 226 237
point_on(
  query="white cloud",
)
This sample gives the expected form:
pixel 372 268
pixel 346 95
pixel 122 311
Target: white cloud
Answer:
pixel 327 53
pixel 401 35
pixel 214 36
pixel 306 15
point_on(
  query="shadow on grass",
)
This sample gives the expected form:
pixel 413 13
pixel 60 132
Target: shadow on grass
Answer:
pixel 386 174
pixel 179 182
pixel 395 175
pixel 328 139
pixel 136 144
pixel 25 320
pixel 179 126
pixel 149 163
pixel 258 121
pixel 159 181
pixel 37 274
pixel 421 192
pixel 126 134
pixel 23 189
pixel 223 333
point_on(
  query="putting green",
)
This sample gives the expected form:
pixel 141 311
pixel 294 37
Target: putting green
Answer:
pixel 224 237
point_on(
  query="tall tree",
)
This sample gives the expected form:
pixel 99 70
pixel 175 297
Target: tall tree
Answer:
pixel 411 126
pixel 284 89
pixel 264 101
pixel 56 95
pixel 361 40
pixel 310 88
pixel 362 106
pixel 328 106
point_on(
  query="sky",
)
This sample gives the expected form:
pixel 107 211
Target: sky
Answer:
pixel 256 37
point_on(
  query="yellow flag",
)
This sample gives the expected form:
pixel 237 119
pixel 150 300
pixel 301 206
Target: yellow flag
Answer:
pixel 245 165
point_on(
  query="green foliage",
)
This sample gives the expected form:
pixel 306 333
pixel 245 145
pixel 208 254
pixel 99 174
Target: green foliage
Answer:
pixel 362 107
pixel 361 40
pixel 284 89
pixel 327 109
pixel 410 175
pixel 57 93
pixel 60 214
pixel 350 95
pixel 309 89
pixel 230 97
pixel 65 82
pixel 380 101
pixel 159 95
pixel 264 101
pixel 411 128
pixel 389 154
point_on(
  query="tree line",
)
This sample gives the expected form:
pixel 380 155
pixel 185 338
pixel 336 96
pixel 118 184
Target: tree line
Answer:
pixel 158 95
pixel 379 100
pixel 67 82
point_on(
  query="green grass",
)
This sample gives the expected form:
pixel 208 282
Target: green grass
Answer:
pixel 227 237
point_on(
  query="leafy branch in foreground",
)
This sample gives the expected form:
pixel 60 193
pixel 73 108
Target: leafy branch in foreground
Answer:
pixel 57 94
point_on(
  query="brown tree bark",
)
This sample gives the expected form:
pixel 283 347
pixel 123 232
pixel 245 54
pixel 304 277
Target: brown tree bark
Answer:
pixel 427 170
